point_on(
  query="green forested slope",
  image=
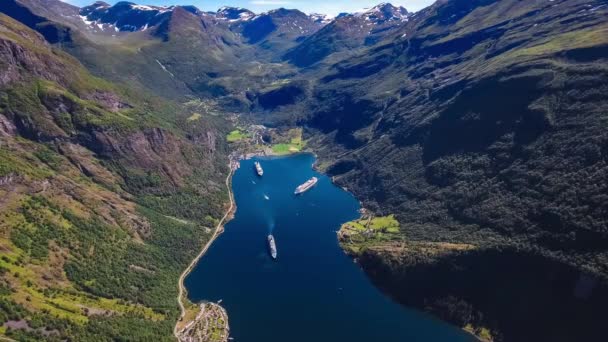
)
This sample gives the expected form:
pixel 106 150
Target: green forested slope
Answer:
pixel 105 196
pixel 480 123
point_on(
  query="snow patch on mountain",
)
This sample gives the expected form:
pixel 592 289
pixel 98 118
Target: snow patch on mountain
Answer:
pixel 384 12
pixel 323 19
pixel 234 14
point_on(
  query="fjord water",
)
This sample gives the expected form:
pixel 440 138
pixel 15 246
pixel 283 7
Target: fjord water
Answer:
pixel 313 291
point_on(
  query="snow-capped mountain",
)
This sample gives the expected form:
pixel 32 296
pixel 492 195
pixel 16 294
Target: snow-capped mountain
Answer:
pixel 278 30
pixel 127 16
pixel 282 25
pixel 234 14
pixel 384 13
pixel 347 31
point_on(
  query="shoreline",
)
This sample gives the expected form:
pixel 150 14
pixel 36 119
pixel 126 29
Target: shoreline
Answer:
pixel 219 229
pixel 234 165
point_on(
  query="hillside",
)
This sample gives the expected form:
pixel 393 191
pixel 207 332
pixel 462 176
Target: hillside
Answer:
pixel 277 31
pixel 174 52
pixel 478 123
pixel 347 32
pixel 104 195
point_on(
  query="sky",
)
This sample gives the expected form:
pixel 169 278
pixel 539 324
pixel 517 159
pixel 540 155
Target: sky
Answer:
pixel 331 7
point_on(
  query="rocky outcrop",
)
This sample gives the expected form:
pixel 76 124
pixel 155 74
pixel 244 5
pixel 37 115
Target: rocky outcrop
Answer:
pixel 7 128
pixel 211 143
pixel 154 150
pixel 85 161
pixel 7 180
pixel 18 60
pixel 108 100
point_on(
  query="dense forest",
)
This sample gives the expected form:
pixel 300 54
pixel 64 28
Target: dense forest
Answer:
pixel 480 123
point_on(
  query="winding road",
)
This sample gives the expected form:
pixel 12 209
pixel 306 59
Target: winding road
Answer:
pixel 218 231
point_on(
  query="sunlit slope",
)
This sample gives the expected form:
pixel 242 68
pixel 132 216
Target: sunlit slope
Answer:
pixel 93 179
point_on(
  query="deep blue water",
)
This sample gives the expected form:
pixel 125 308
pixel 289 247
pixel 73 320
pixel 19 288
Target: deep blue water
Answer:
pixel 313 292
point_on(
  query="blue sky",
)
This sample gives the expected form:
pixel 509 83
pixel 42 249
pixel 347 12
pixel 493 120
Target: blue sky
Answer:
pixel 332 7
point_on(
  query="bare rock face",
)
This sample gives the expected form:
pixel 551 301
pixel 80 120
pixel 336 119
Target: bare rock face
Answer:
pixel 7 180
pixel 211 141
pixel 18 60
pixel 9 66
pixel 7 128
pixel 84 160
pixel 108 100
pixel 153 149
pixel 113 209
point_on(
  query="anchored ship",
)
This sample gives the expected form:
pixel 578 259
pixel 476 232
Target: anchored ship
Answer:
pixel 258 169
pixel 273 246
pixel 306 186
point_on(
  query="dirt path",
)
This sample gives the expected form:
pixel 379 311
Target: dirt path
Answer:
pixel 218 231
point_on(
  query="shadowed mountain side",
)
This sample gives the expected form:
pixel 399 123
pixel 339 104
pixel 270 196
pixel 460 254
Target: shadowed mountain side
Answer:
pixel 477 122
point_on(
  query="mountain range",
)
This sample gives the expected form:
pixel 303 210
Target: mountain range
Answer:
pixel 479 124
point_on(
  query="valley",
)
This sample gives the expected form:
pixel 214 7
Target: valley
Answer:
pixel 471 131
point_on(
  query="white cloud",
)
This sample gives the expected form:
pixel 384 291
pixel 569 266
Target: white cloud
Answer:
pixel 269 2
pixel 335 7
